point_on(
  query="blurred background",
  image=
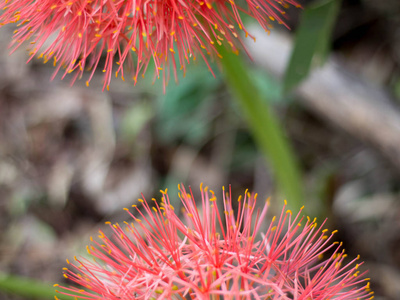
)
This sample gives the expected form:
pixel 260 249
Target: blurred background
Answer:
pixel 72 157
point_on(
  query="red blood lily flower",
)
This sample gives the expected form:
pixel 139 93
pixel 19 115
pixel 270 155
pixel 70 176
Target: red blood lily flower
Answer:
pixel 75 33
pixel 204 253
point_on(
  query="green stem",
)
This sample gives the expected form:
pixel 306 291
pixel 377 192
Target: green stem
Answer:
pixel 265 128
pixel 28 288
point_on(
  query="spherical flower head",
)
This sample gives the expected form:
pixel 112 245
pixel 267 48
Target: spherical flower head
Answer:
pixel 74 33
pixel 202 252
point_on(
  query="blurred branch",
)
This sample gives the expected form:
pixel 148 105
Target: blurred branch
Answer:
pixel 333 93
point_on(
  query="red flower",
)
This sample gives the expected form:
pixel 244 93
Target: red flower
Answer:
pixel 75 33
pixel 207 254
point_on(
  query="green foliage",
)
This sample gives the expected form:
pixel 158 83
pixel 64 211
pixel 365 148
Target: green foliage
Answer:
pixel 184 109
pixel 29 288
pixel 135 118
pixel 312 41
pixel 270 89
pixel 265 128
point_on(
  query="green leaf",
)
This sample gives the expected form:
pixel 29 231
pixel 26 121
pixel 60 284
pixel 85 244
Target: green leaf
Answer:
pixel 265 128
pixel 184 110
pixel 312 41
pixel 29 288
